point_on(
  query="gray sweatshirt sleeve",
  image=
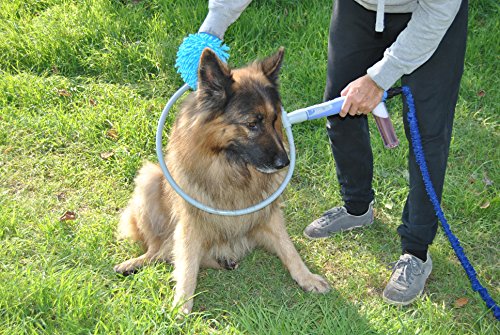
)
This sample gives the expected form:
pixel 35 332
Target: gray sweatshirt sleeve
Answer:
pixel 221 14
pixel 417 42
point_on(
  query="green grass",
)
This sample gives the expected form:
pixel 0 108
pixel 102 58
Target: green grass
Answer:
pixel 72 70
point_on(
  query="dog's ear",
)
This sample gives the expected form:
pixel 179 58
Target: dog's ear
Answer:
pixel 214 77
pixel 271 65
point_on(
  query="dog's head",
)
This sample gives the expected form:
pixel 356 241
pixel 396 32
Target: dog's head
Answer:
pixel 242 111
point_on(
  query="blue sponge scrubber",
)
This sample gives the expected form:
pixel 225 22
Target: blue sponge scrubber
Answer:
pixel 189 53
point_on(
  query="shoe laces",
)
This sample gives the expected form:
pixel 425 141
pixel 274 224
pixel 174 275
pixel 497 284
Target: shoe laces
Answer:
pixel 405 269
pixel 327 216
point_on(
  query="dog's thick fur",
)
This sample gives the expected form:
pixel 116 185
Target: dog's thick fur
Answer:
pixel 225 150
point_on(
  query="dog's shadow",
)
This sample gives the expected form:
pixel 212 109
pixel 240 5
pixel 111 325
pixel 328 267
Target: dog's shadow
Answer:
pixel 261 298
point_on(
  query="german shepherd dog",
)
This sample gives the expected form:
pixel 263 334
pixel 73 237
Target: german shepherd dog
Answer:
pixel 225 150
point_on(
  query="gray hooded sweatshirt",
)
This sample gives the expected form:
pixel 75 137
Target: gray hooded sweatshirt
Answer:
pixel 414 46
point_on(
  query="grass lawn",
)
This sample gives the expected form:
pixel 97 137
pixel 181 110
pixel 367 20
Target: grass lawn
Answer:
pixel 82 85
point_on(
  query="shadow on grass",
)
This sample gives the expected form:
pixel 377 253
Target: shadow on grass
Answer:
pixel 448 280
pixel 447 283
pixel 260 297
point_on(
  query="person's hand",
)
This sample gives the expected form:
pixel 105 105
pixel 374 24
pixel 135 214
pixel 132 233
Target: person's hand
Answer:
pixel 362 96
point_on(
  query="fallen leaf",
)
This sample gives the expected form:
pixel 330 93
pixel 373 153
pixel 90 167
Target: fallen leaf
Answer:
pixel 461 302
pixel 481 93
pixel 63 93
pixel 68 216
pixel 112 133
pixel 485 205
pixel 106 155
pixel 92 102
pixel 388 205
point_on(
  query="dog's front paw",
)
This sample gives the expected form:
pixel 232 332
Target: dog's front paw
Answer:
pixel 314 283
pixel 126 268
pixel 183 309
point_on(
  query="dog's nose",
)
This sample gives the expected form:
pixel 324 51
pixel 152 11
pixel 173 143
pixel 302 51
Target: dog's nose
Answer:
pixel 281 161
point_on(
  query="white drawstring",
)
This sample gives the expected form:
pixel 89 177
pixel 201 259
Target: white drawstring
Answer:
pixel 379 23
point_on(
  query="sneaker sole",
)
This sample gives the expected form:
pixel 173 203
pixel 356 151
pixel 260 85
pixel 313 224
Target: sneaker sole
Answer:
pixel 340 231
pixel 401 303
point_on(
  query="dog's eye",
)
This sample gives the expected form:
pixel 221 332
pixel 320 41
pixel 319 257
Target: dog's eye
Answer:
pixel 252 125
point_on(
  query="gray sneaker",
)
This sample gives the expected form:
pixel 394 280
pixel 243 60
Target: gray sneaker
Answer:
pixel 407 280
pixel 337 219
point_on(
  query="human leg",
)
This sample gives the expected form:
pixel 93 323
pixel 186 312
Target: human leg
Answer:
pixel 435 87
pixel 353 47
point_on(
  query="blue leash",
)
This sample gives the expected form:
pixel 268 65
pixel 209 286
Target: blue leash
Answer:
pixel 455 243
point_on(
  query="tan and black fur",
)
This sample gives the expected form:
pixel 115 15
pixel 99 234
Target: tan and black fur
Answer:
pixel 225 150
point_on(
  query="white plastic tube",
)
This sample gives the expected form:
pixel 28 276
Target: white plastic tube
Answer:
pixel 309 113
pixel 334 106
